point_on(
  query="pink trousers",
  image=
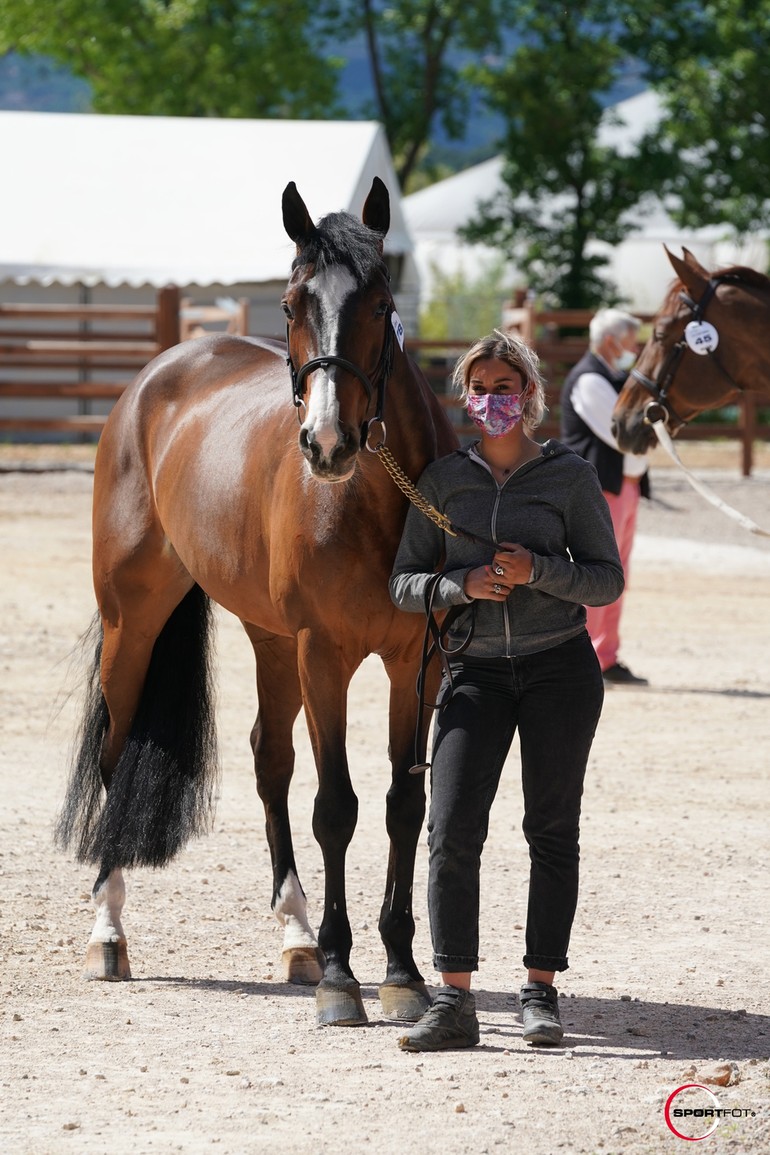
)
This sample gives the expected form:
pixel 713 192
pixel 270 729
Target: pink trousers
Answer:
pixel 603 622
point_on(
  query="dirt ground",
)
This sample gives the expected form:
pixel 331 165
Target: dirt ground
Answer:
pixel 208 1050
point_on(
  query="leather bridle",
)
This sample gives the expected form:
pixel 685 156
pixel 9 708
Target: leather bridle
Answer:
pixel 660 408
pixel 380 375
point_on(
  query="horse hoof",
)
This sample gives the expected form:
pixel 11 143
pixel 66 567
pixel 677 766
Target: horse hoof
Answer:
pixel 340 1006
pixel 107 961
pixel 407 1003
pixel 303 965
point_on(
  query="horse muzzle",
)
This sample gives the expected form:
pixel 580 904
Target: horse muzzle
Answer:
pixel 633 430
pixel 333 464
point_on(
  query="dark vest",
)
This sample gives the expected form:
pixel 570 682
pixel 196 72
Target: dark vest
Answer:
pixel 576 434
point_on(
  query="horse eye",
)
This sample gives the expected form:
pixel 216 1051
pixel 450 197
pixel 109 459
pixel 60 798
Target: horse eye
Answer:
pixel 382 309
pixel 287 311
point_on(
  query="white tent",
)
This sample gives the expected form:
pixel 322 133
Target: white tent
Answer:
pixel 145 201
pixel 638 266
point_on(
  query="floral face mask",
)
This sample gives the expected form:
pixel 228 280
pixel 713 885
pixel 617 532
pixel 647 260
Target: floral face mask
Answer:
pixel 495 413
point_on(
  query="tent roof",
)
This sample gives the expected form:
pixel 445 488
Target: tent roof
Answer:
pixel 152 200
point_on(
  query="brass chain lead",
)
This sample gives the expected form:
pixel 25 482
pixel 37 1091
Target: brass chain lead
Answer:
pixel 410 491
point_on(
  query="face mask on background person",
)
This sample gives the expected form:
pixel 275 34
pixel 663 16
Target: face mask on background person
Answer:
pixel 625 360
pixel 495 413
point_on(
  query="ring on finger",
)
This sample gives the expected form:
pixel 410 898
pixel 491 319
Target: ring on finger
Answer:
pixel 497 588
pixel 498 569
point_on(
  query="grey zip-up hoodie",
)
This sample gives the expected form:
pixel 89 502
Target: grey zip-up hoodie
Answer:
pixel 554 507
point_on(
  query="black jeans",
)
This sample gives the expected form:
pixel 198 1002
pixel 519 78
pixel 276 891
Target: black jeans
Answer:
pixel 554 698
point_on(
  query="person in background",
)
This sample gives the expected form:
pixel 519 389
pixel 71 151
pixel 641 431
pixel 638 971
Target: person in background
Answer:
pixel 543 548
pixel 587 400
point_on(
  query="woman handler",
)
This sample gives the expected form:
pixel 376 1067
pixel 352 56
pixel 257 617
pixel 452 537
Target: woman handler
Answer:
pixel 529 666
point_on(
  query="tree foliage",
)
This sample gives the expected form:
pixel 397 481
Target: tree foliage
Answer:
pixel 566 190
pixel 712 68
pixel 571 193
pixel 464 305
pixel 253 58
pixel 420 55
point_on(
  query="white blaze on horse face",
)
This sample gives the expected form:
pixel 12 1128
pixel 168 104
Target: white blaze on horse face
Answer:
pixel 331 288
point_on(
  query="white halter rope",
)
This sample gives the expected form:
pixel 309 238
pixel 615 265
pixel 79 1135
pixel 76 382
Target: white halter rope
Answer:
pixel 665 440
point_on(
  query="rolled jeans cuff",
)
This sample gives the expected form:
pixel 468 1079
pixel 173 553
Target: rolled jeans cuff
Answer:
pixel 455 963
pixel 545 962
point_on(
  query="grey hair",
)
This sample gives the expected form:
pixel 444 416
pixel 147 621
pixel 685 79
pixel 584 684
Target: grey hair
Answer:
pixel 514 351
pixel 610 322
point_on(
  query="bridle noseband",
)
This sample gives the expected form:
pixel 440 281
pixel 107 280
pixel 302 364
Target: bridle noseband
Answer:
pixel 660 409
pixel 381 374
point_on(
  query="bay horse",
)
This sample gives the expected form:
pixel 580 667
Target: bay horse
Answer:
pixel 710 341
pixel 201 494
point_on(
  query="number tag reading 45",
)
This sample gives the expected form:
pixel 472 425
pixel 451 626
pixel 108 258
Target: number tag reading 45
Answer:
pixel 701 337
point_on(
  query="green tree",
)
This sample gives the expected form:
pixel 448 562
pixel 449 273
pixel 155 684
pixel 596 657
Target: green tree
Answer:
pixel 711 64
pixel 462 306
pixel 240 58
pixel 566 190
pixel 421 56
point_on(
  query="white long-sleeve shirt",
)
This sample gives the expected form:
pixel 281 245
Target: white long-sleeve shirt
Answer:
pixel 593 399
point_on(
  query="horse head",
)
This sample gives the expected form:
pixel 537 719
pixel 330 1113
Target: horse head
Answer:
pixel 339 309
pixel 679 373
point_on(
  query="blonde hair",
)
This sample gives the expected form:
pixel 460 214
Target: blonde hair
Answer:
pixel 514 351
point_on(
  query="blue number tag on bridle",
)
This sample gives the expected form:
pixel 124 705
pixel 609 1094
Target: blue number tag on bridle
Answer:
pixel 398 328
pixel 701 337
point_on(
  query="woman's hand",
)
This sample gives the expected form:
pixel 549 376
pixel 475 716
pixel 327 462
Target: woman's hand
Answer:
pixel 511 566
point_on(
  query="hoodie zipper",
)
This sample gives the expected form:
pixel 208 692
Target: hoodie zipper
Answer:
pixel 493 527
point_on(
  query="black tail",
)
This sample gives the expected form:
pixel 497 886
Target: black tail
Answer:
pixel 162 790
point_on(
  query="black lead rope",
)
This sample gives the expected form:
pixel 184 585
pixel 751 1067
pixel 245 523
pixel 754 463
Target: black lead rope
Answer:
pixel 432 645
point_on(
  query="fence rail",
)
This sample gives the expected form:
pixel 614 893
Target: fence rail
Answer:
pixel 54 355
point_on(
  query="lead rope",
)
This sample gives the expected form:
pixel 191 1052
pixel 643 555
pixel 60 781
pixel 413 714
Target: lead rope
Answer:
pixel 410 490
pixel 433 639
pixel 665 440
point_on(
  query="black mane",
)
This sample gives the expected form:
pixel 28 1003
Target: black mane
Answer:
pixel 342 239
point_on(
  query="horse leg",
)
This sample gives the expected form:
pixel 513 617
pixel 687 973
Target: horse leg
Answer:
pixel 124 664
pixel 107 952
pixel 147 737
pixel 280 700
pixel 403 994
pixel 325 675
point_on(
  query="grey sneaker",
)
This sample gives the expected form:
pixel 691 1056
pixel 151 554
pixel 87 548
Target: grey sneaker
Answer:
pixel 540 1015
pixel 449 1023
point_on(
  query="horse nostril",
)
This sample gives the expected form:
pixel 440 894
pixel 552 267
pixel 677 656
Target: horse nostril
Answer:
pixel 308 447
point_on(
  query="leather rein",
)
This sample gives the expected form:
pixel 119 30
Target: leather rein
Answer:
pixel 660 408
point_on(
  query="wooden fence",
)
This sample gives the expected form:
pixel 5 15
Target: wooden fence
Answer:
pixel 65 366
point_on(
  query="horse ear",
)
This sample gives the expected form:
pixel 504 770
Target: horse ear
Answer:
pixel 296 218
pixel 690 272
pixel 376 214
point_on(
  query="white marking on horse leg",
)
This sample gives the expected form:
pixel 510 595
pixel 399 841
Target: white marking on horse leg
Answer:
pixel 108 901
pixel 291 911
